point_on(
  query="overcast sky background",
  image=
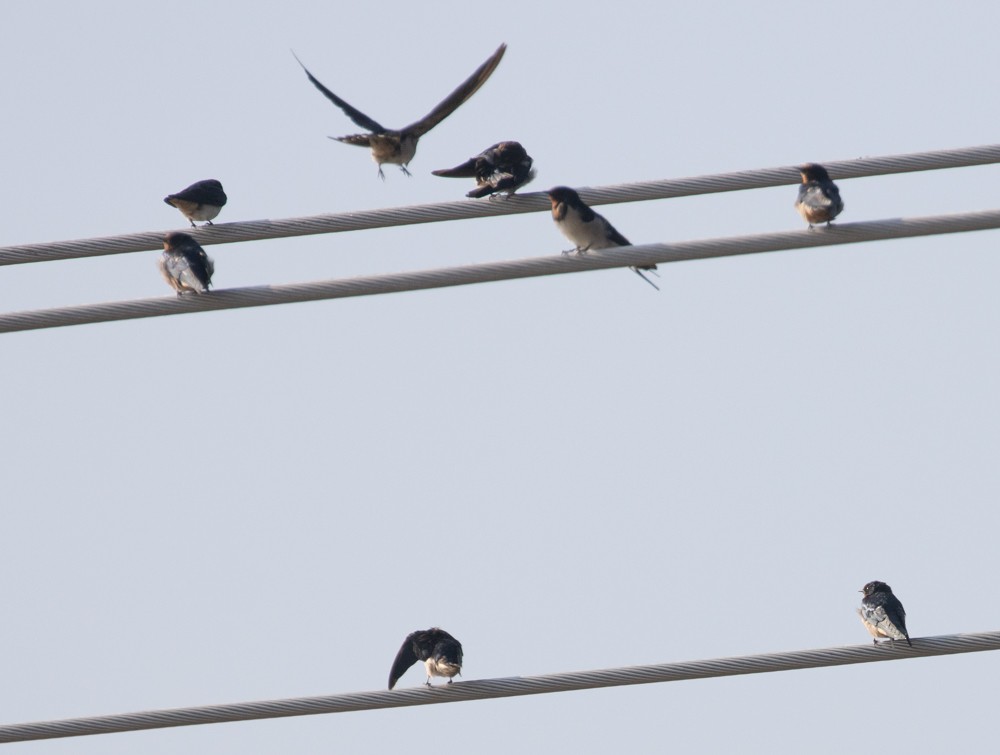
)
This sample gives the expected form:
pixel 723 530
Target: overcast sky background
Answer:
pixel 566 473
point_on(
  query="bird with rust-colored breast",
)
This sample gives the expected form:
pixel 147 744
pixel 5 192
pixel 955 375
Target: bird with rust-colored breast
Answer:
pixel 588 229
pixel 440 652
pixel 882 613
pixel 398 146
pixel 819 198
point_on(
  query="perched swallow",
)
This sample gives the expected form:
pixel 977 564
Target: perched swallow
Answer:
pixel 819 198
pixel 399 146
pixel 184 264
pixel 503 167
pixel 882 613
pixel 440 652
pixel 203 200
pixel 587 229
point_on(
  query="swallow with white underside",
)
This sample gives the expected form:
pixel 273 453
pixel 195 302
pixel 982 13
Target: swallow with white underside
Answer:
pixel 587 229
pixel 398 146
pixel 440 652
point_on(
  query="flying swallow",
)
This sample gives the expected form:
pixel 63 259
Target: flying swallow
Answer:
pixel 440 652
pixel 184 264
pixel 819 198
pixel 398 146
pixel 503 167
pixel 587 229
pixel 882 613
pixel 203 200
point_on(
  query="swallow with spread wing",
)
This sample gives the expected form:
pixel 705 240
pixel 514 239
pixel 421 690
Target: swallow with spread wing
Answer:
pixel 440 652
pixel 398 146
pixel 504 167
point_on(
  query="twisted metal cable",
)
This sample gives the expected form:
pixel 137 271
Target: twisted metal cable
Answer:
pixel 226 233
pixel 506 687
pixel 259 296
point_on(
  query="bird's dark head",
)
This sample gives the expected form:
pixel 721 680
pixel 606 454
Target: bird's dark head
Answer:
pixel 564 195
pixel 177 239
pixel 813 172
pixel 873 587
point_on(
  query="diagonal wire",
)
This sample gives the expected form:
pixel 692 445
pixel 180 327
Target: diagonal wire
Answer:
pixel 259 296
pixel 505 687
pixel 227 233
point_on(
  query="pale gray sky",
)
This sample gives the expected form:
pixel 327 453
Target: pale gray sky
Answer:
pixel 566 473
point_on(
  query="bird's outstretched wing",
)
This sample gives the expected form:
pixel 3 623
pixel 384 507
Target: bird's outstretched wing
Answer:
pixel 450 103
pixel 350 111
pixel 405 658
pixel 465 170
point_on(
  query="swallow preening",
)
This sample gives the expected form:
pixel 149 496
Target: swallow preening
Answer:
pixel 203 200
pixel 882 613
pixel 440 652
pixel 505 166
pixel 398 146
pixel 819 198
pixel 184 264
pixel 587 229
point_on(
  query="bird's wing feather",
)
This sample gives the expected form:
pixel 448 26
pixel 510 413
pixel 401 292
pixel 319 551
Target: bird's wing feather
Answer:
pixel 351 112
pixel 465 170
pixel 405 658
pixel 464 91
pixel 614 235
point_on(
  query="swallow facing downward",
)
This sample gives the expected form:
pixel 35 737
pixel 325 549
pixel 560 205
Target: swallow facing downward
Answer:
pixel 203 200
pixel 398 146
pixel 440 652
pixel 503 167
pixel 882 613
pixel 819 198
pixel 184 264
pixel 587 229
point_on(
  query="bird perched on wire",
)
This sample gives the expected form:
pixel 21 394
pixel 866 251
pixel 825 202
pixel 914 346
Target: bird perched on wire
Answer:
pixel 398 146
pixel 203 200
pixel 819 198
pixel 440 652
pixel 586 228
pixel 505 166
pixel 882 613
pixel 184 264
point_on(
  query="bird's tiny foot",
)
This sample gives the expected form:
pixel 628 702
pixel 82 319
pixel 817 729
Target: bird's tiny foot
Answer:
pixel 209 222
pixel 380 173
pixel 450 681
pixel 569 251
pixel 428 682
pixel 583 249
pixel 193 225
pixel 405 171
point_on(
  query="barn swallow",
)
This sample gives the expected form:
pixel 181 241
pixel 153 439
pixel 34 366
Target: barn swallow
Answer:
pixel 587 229
pixel 882 613
pixel 398 146
pixel 203 200
pixel 819 198
pixel 184 264
pixel 440 652
pixel 503 167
